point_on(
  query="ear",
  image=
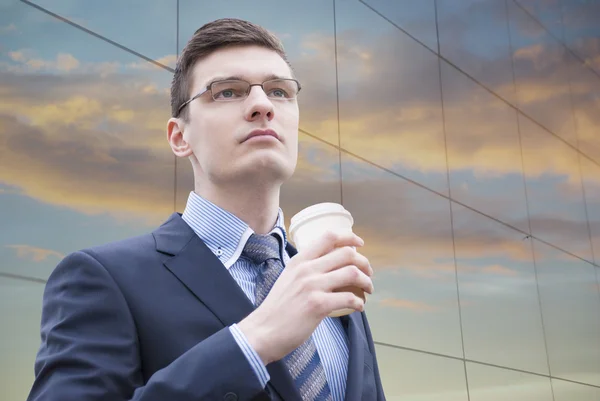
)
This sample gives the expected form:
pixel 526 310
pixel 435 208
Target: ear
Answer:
pixel 175 130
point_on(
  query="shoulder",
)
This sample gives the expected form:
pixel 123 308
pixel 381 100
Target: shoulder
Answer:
pixel 127 261
pixel 133 247
pixel 105 259
pixel 138 249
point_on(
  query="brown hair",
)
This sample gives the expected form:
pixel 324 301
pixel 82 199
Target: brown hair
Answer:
pixel 209 38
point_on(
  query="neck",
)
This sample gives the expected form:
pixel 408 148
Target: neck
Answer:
pixel 256 206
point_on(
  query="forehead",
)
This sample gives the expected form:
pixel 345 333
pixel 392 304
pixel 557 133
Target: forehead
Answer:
pixel 252 63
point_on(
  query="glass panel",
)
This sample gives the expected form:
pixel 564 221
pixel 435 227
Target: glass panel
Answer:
pixel 20 314
pixel 567 391
pixel 316 179
pixel 556 208
pixel 416 17
pixel 474 36
pixel 591 182
pixel 582 30
pixel 409 244
pixel 541 65
pixel 498 293
pixel 484 157
pixel 149 28
pixel 408 375
pixel 571 311
pixel 547 12
pixel 83 155
pixel 306 30
pixel 585 88
pixel 390 111
pixel 487 383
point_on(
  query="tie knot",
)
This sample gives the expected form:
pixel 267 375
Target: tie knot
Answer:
pixel 260 248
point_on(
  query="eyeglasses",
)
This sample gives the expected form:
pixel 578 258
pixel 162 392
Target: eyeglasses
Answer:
pixel 235 89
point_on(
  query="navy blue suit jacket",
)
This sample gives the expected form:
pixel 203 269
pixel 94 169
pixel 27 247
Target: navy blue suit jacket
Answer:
pixel 147 319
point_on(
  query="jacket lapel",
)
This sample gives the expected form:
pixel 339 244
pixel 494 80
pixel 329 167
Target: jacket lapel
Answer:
pixel 356 348
pixel 202 273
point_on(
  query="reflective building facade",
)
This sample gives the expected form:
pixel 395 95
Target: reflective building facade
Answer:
pixel 464 137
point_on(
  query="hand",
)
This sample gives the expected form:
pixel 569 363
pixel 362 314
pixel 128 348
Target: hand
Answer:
pixel 304 294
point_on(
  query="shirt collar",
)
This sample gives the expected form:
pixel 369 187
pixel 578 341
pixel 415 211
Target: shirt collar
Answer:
pixel 224 233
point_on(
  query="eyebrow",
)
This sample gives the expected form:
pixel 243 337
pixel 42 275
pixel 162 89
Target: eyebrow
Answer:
pixel 238 77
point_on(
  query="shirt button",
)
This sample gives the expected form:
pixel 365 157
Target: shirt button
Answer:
pixel 230 397
pixel 219 253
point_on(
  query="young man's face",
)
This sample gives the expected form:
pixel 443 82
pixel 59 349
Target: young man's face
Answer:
pixel 218 131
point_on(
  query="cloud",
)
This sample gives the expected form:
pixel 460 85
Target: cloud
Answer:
pixel 591 47
pixel 89 174
pixel 64 62
pixel 497 270
pixel 408 229
pixel 390 102
pixel 581 30
pixel 98 140
pixel 9 191
pixel 168 60
pixel 95 132
pixel 28 252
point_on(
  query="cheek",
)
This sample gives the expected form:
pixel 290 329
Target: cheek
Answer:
pixel 203 130
pixel 294 115
pixel 290 119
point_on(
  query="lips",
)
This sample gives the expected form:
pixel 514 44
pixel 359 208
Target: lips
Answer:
pixel 261 132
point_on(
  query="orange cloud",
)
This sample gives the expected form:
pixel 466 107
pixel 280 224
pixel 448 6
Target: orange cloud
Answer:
pixel 400 127
pixel 497 270
pixel 35 254
pixel 98 141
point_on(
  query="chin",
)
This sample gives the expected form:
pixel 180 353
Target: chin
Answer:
pixel 265 169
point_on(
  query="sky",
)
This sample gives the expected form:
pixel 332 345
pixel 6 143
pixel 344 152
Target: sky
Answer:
pixel 507 124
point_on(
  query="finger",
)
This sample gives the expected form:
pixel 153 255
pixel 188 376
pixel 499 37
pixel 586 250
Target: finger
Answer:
pixel 342 300
pixel 348 276
pixel 341 257
pixel 329 241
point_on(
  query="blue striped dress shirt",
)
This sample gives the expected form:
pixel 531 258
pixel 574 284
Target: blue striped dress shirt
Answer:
pixel 226 235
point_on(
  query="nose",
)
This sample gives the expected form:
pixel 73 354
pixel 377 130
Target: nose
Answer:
pixel 258 105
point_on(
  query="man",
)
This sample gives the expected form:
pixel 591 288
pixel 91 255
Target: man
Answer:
pixel 190 311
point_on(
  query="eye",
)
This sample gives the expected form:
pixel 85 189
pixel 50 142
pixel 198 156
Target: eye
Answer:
pixel 230 93
pixel 278 93
pixel 229 90
pixel 281 89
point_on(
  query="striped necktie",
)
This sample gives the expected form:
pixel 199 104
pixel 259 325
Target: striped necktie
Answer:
pixel 303 363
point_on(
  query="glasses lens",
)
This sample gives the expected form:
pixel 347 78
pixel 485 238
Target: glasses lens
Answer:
pixel 229 90
pixel 281 89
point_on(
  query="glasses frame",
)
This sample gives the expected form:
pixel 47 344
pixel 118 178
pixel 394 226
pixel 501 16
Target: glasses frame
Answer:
pixel 208 88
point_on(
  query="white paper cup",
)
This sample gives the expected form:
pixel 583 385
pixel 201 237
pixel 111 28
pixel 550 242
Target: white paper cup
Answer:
pixel 311 223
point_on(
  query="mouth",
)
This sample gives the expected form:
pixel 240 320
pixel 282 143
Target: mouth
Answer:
pixel 262 133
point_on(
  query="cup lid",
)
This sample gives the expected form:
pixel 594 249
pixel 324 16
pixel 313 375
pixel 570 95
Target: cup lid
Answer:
pixel 318 210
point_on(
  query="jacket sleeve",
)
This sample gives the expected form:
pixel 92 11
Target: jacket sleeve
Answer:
pixel 89 349
pixel 380 394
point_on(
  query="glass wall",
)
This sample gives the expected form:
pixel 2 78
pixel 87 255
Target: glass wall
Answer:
pixel 464 137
